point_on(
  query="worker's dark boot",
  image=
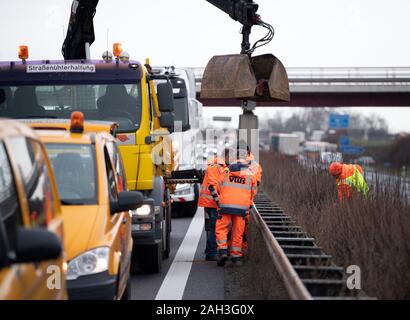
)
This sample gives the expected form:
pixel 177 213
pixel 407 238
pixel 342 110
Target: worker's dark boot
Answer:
pixel 222 257
pixel 212 258
pixel 237 262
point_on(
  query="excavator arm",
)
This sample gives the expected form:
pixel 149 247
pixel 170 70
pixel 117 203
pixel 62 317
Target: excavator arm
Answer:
pixel 80 32
pixel 242 76
pixel 226 77
pixel 243 11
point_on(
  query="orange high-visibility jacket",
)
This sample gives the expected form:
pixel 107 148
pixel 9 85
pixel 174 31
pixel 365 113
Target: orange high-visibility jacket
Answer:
pixel 348 180
pixel 214 174
pixel 238 189
pixel 255 167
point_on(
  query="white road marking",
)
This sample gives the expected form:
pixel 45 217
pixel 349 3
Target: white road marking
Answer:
pixel 173 286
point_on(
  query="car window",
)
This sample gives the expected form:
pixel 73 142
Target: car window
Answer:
pixel 36 178
pixel 118 165
pixel 112 186
pixel 75 172
pixel 9 203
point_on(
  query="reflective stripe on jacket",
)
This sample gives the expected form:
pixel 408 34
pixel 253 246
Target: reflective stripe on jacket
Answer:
pixel 238 189
pixel 213 176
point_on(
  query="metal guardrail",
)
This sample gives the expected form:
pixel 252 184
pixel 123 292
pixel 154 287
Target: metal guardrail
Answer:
pixel 307 272
pixel 293 284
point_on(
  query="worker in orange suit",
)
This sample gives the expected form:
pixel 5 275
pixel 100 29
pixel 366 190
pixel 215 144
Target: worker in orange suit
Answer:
pixel 254 166
pixel 256 169
pixel 349 178
pixel 208 199
pixel 237 192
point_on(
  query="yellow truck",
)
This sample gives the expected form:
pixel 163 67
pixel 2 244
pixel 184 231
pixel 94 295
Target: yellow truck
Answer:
pixel 108 90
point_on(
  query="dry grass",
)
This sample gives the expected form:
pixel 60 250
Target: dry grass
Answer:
pixel 372 233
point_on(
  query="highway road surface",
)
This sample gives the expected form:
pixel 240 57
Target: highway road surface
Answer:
pixel 185 275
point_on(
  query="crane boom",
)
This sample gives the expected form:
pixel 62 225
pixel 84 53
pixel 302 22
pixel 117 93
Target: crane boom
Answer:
pixel 239 76
pixel 243 11
pixel 80 32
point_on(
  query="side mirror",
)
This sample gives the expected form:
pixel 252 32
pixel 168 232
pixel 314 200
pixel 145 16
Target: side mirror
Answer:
pixel 167 120
pixel 186 127
pixel 36 245
pixel 127 200
pixel 165 97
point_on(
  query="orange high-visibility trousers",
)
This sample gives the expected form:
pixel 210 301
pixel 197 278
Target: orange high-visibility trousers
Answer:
pixel 246 233
pixel 238 228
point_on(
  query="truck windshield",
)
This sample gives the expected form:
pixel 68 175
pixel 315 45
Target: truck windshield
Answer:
pixel 106 102
pixel 75 172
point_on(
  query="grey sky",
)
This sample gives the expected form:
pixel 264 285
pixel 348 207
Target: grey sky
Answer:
pixel 314 33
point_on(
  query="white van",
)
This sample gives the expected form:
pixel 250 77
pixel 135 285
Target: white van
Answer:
pixel 188 110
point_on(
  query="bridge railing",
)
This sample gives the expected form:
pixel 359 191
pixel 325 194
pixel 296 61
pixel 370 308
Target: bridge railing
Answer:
pixel 391 76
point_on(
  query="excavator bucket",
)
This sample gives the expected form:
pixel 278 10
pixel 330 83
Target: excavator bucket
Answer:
pixel 260 78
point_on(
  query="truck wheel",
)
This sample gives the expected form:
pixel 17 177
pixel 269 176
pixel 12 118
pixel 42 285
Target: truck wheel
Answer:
pixel 167 226
pixel 175 209
pixel 128 290
pixel 151 259
pixel 167 250
pixel 188 209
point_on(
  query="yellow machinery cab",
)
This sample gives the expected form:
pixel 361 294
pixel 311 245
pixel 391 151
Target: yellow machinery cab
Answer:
pixel 32 264
pixel 96 207
pixel 108 90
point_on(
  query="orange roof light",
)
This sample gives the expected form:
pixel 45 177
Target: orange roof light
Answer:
pixel 77 122
pixel 23 52
pixel 117 49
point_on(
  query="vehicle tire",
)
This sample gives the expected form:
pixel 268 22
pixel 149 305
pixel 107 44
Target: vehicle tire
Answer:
pixel 128 290
pixel 175 209
pixel 188 209
pixel 168 226
pixel 167 250
pixel 151 259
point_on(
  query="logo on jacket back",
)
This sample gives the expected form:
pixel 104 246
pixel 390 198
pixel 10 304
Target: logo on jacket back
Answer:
pixel 234 179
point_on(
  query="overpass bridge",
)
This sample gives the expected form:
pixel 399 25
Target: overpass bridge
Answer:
pixel 335 87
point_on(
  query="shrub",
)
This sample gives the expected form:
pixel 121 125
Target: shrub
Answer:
pixel 373 233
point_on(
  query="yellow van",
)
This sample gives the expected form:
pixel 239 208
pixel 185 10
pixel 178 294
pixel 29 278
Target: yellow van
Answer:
pixel 96 209
pixel 31 227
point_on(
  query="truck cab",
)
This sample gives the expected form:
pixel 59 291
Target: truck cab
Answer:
pixel 188 115
pixel 114 90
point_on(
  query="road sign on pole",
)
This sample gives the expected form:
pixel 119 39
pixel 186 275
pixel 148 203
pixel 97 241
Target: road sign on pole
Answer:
pixel 338 121
pixel 344 141
pixel 352 150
